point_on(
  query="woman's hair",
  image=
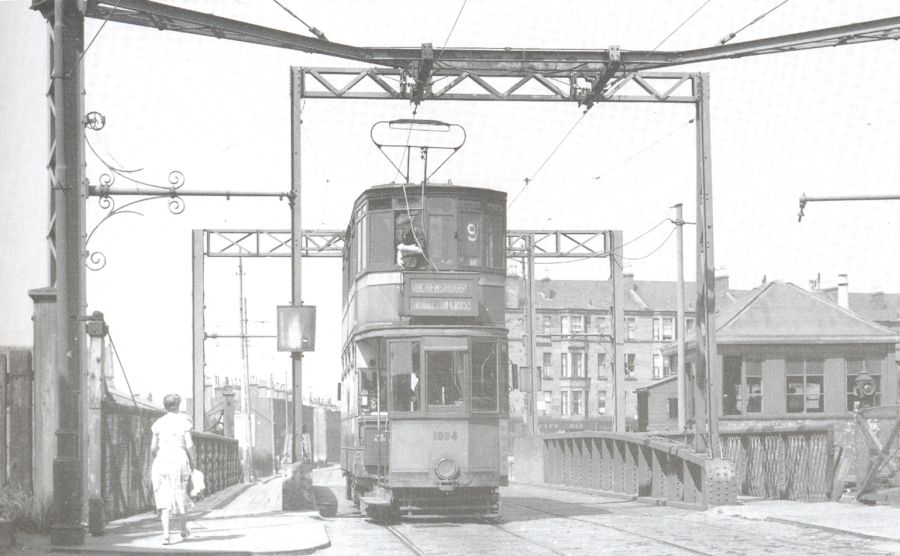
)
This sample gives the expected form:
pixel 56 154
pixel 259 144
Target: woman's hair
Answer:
pixel 171 402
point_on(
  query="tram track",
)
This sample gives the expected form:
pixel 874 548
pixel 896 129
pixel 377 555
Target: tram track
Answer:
pixel 613 528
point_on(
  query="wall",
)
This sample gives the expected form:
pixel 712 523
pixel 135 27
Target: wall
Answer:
pixel 658 397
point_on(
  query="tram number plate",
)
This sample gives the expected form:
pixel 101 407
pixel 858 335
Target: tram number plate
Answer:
pixel 445 435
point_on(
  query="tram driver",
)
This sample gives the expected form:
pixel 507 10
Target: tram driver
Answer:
pixel 410 253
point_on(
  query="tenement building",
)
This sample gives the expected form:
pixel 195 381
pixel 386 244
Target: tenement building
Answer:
pixel 573 345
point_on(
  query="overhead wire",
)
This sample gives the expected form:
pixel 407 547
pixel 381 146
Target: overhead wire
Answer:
pixel 310 28
pixel 629 242
pixel 658 247
pixel 529 181
pixel 730 36
pixel 452 28
pixel 91 43
pixel 615 167
pixel 121 366
pixel 682 24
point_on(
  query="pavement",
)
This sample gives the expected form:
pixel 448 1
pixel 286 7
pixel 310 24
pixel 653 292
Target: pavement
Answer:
pixel 243 519
pixel 852 518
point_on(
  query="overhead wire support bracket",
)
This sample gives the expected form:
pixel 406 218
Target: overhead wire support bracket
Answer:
pixel 600 82
pixel 422 70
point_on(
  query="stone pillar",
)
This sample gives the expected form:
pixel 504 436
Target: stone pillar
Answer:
pixel 93 433
pixel 46 398
pixel 20 420
pixel 228 418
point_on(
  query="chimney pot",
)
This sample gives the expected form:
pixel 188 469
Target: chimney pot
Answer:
pixel 843 291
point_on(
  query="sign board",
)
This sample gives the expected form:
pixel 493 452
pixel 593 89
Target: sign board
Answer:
pixel 430 295
pixel 296 328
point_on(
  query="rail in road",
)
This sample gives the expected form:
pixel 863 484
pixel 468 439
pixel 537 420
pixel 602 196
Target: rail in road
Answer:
pixel 543 520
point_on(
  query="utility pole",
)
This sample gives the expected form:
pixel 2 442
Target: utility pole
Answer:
pixel 617 311
pixel 245 391
pixel 529 333
pixel 679 316
pixel 296 258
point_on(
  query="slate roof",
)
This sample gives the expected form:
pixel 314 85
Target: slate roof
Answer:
pixel 783 313
pixel 645 295
pixel 879 306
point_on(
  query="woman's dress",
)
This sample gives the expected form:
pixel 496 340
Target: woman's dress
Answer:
pixel 171 470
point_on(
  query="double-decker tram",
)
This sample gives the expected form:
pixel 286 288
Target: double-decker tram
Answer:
pixel 424 425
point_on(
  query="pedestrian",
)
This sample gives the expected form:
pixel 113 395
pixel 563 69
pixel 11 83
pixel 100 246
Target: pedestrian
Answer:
pixel 172 465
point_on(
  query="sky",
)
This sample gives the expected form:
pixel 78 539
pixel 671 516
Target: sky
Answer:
pixel 823 122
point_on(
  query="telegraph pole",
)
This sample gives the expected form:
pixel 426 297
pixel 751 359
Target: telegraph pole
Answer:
pixel 679 316
pixel 296 259
pixel 617 312
pixel 245 391
pixel 533 377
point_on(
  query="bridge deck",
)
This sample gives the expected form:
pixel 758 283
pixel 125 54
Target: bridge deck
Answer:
pixel 535 520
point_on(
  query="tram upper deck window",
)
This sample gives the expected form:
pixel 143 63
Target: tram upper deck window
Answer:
pixel 484 376
pixel 470 234
pixel 405 375
pixel 446 379
pixel 409 240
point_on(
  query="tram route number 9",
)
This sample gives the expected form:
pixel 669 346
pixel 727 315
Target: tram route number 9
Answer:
pixel 472 231
pixel 445 435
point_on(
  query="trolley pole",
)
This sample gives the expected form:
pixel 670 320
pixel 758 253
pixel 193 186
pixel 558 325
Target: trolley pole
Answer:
pixel 679 316
pixel 296 259
pixel 533 377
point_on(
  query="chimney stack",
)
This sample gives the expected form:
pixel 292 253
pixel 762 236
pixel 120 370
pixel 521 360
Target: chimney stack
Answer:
pixel 843 291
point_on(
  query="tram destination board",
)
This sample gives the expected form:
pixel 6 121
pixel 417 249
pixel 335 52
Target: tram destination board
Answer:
pixel 427 295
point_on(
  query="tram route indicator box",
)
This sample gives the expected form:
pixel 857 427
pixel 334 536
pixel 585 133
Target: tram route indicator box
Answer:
pixel 427 295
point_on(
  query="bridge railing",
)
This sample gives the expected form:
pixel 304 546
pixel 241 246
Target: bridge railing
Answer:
pixel 219 458
pixel 638 466
pixel 779 462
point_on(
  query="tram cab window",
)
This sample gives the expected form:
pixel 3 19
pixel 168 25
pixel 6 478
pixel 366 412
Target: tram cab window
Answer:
pixel 405 376
pixel 372 391
pixel 409 240
pixel 470 235
pixel 484 376
pixel 446 379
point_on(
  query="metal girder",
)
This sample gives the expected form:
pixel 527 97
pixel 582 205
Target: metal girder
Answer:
pixel 523 85
pixel 330 243
pixel 589 63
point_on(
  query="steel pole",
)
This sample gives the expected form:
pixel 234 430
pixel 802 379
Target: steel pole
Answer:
pixel 296 257
pixel 679 316
pixel 198 324
pixel 706 370
pixel 535 380
pixel 69 194
pixel 247 402
pixel 617 312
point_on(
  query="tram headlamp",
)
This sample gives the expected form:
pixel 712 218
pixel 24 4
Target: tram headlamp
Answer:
pixel 446 469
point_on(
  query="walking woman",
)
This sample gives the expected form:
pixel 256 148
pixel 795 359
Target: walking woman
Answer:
pixel 172 466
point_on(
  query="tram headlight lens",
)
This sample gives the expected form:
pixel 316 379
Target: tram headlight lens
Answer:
pixel 446 469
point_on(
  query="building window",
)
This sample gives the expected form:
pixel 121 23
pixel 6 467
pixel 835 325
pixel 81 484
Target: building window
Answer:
pixel 601 402
pixel 629 365
pixel 663 328
pixel 673 408
pixel 564 403
pixel 514 376
pixel 657 366
pixel 577 402
pixel 667 366
pixel 548 401
pixel 577 324
pixel 602 324
pixel 629 328
pixel 577 363
pixel 805 385
pixel 547 324
pixel 547 371
pixel 688 324
pixel 601 365
pixel 872 366
pixel 742 385
pixel 564 364
pixel 564 326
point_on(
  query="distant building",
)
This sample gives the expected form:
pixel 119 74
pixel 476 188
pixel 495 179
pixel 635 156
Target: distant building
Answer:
pixel 788 354
pixel 573 348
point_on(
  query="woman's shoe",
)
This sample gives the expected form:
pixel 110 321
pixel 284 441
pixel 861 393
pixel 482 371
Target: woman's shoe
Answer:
pixel 185 533
pixel 167 540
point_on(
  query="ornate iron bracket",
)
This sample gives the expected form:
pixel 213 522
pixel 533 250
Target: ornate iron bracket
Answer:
pixel 96 260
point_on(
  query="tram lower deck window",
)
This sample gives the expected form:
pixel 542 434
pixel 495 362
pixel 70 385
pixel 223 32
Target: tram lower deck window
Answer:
pixel 445 373
pixel 484 376
pixel 405 376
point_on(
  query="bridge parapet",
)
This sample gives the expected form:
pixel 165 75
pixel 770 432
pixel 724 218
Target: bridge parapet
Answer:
pixel 634 465
pixel 219 458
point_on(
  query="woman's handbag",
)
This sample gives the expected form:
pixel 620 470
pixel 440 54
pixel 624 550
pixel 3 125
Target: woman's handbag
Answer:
pixel 198 484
